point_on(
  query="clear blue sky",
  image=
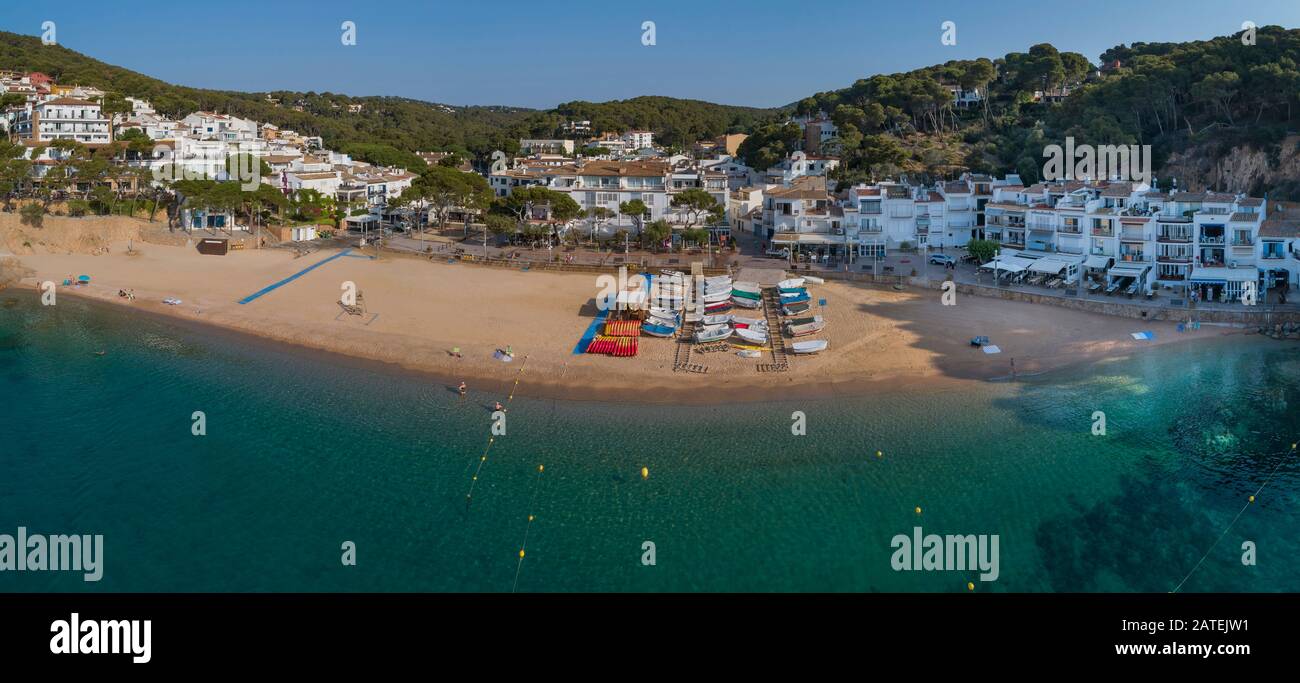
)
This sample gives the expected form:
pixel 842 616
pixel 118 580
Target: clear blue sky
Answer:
pixel 538 54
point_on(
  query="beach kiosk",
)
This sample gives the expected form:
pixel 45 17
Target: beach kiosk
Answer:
pixel 214 246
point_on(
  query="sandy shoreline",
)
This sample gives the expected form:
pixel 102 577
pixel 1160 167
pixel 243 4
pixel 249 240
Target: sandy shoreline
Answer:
pixel 880 340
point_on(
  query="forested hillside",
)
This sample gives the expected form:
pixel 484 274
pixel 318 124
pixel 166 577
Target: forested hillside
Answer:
pixel 1196 103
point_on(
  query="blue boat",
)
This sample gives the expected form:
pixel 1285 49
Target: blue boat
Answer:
pixel 787 299
pixel 658 330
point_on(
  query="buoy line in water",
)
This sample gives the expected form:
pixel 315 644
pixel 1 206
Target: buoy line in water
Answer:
pixel 537 487
pixel 469 496
pixel 1250 501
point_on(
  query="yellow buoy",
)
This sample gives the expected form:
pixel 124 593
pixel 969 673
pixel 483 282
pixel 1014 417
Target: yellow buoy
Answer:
pixel 879 454
pixel 918 510
pixel 541 467
pixel 970 586
pixel 1252 499
pixel 530 518
pixel 521 553
pixel 645 472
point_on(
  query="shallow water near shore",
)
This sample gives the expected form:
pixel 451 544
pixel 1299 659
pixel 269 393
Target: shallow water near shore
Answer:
pixel 303 454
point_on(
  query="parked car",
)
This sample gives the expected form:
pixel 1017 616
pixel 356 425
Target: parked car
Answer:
pixel 942 260
pixel 777 253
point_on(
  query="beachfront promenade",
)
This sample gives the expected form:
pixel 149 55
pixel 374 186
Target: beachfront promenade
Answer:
pixel 896 268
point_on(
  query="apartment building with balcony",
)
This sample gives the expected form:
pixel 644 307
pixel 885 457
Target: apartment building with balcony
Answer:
pixel 960 209
pixel 1278 248
pixel 806 219
pixel 63 118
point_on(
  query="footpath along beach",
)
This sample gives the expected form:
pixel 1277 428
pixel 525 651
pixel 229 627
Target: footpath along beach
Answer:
pixel 417 311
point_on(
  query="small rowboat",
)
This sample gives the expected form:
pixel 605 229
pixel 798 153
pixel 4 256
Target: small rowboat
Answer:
pixel 655 330
pixel 749 353
pixel 791 293
pixel 713 333
pixel 796 309
pixel 717 296
pixel 787 299
pixel 742 294
pixel 804 321
pixel 755 336
pixel 666 313
pixel 750 287
pixel 792 283
pixel 811 346
pixel 813 280
pixel 662 322
pixel 804 330
pixel 676 274
pixel 750 322
pixel 717 307
pixel 722 319
pixel 746 303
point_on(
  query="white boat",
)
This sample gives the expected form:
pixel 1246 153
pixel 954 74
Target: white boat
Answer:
pixel 661 322
pixel 750 287
pixel 746 303
pixel 813 280
pixel 665 313
pixel 721 319
pixel 749 353
pixel 717 296
pixel 725 279
pixel 657 330
pixel 805 329
pixel 811 346
pixel 749 335
pixel 713 333
pixel 677 274
pixel 752 322
pixel 792 283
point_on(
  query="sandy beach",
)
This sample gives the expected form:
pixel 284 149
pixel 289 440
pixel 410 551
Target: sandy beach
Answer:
pixel 418 310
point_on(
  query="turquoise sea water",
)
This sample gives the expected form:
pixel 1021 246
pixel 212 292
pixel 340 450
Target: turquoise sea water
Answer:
pixel 302 454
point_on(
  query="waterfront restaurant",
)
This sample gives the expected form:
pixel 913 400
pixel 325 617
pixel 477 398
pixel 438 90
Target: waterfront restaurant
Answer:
pixel 1220 283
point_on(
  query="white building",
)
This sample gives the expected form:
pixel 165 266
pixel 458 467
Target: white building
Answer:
pixel 636 140
pixel 62 118
pixel 798 165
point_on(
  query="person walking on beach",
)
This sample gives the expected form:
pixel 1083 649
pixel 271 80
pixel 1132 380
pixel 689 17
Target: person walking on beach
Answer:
pixel 462 389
